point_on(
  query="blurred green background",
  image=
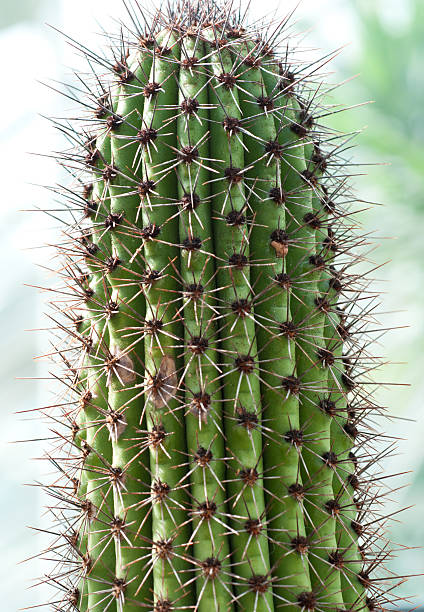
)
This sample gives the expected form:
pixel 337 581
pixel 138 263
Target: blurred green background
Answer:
pixel 386 46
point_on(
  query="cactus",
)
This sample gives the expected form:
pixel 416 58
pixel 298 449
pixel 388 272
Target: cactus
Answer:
pixel 214 378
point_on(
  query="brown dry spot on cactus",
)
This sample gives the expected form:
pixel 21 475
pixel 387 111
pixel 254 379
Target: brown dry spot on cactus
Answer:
pixel 280 243
pixel 122 366
pixel 162 386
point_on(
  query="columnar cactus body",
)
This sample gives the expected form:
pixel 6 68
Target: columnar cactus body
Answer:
pixel 214 420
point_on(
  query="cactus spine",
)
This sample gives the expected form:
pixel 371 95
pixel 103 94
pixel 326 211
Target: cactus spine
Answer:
pixel 216 404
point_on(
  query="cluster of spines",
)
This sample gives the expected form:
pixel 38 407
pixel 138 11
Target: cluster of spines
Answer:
pixel 216 381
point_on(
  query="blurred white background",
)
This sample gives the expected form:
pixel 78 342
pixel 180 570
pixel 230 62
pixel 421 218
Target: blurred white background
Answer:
pixel 32 52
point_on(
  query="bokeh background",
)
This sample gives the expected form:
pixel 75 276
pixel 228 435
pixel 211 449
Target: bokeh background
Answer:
pixel 384 43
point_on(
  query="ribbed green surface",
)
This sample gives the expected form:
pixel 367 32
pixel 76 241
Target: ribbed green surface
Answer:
pixel 219 433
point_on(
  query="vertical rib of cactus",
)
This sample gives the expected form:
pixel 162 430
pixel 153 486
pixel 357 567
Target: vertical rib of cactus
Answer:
pixel 165 418
pixel 240 379
pixel 347 556
pixel 277 347
pixel 99 545
pixel 83 328
pixel 132 525
pixel 308 315
pixel 345 482
pixel 202 402
pixel 332 357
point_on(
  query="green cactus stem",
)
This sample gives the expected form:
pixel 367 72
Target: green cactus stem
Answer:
pixel 217 429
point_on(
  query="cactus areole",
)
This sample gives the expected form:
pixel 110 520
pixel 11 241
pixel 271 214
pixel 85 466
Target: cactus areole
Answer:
pixel 214 380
